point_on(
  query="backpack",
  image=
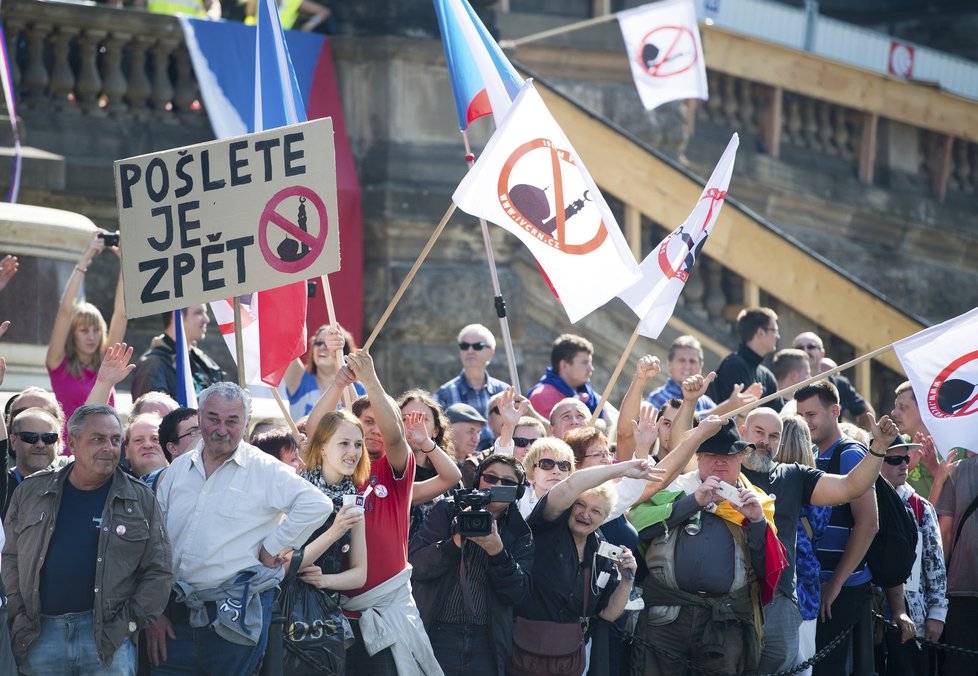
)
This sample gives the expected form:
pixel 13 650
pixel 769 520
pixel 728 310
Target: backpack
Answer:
pixel 892 553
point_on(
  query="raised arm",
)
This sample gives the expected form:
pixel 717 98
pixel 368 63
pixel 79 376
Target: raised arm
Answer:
pixel 694 387
pixel 647 367
pixel 836 489
pixel 740 396
pixel 119 321
pixel 114 369
pixel 563 495
pixel 448 472
pixel 330 399
pixel 384 408
pixel 62 321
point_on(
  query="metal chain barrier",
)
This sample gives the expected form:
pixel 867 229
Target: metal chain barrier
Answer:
pixel 818 656
pixel 889 626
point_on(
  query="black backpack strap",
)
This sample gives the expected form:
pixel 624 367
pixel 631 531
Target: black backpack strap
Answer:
pixel 968 512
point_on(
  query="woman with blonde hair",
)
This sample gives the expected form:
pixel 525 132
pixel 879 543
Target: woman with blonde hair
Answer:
pixel 796 446
pixel 79 336
pixel 548 462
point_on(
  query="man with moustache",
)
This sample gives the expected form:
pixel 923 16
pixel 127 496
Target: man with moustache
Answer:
pixel 793 487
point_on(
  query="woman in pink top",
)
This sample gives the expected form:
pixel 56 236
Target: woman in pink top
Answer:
pixel 79 337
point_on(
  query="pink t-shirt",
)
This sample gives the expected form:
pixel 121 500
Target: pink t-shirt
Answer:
pixel 386 522
pixel 72 392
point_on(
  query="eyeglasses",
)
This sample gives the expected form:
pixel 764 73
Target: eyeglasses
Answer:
pixel 478 347
pixel 547 464
pixel 808 347
pixel 31 437
pixel 522 442
pixel 896 460
pixel 600 454
pixel 492 480
pixel 192 432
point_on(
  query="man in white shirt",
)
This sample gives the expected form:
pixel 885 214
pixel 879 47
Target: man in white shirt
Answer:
pixel 223 503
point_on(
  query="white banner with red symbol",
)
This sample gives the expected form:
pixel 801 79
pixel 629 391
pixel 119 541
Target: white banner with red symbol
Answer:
pixel 666 269
pixel 942 366
pixel 530 181
pixel 662 41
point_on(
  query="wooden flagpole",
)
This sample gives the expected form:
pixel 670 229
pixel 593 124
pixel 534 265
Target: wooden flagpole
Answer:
pixel 410 275
pixel 239 342
pixel 338 355
pixel 797 386
pixel 559 30
pixel 614 376
pixel 285 413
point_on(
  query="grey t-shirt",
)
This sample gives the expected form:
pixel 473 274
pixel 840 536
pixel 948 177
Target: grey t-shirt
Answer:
pixel 792 486
pixel 959 490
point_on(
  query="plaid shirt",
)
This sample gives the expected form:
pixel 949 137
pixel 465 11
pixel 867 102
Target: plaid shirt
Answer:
pixel 458 391
pixel 673 390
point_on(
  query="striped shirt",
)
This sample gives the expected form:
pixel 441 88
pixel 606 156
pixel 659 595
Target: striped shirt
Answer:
pixel 833 542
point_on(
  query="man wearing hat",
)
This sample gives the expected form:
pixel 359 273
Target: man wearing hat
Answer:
pixel 713 559
pixel 924 593
pixel 466 427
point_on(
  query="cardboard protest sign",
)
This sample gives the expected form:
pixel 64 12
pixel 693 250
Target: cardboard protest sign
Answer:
pixel 229 217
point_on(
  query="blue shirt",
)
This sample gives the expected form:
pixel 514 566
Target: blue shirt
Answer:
pixel 673 390
pixel 836 537
pixel 302 401
pixel 806 563
pixel 458 391
pixel 67 582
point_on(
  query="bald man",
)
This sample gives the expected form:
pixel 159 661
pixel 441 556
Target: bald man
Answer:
pixel 794 486
pixel 849 400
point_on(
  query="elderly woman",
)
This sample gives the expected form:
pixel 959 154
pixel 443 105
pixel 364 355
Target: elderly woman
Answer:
pixel 548 462
pixel 567 579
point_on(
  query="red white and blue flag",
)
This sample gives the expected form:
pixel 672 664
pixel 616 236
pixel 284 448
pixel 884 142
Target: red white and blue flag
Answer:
pixel 262 78
pixel 665 270
pixel 484 82
pixel 186 394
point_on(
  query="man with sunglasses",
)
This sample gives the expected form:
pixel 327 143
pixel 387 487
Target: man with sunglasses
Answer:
pixel 466 588
pixel 473 386
pixel 35 438
pixel 924 593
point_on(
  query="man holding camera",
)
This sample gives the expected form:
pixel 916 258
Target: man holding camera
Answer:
pixel 466 585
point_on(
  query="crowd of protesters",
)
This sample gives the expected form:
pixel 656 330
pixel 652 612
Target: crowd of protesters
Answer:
pixel 472 530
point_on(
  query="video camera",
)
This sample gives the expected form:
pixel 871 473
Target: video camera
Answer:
pixel 478 521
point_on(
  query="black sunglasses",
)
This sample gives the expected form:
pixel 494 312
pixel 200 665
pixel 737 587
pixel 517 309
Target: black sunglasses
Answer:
pixel 547 464
pixel 319 343
pixel 492 480
pixel 522 442
pixel 463 346
pixel 31 437
pixel 896 460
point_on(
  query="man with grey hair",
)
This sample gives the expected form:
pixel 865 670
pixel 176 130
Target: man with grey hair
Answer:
pixel 849 400
pixel 224 503
pixel 87 561
pixel 35 439
pixel 473 386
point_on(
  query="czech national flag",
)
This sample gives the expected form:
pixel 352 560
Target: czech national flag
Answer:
pixel 483 79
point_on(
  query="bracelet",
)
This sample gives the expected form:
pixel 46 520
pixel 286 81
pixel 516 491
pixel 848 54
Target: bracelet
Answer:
pixel 81 269
pixel 433 447
pixel 878 455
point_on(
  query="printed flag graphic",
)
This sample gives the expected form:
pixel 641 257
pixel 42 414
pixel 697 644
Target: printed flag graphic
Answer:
pixel 186 391
pixel 530 181
pixel 666 269
pixel 664 52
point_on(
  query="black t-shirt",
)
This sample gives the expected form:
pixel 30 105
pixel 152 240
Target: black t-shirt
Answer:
pixel 558 579
pixel 68 574
pixel 792 486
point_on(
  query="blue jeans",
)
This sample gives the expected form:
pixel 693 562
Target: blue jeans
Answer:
pixel 66 645
pixel 463 649
pixel 201 651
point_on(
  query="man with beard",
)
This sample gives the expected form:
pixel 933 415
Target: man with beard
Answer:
pixel 795 486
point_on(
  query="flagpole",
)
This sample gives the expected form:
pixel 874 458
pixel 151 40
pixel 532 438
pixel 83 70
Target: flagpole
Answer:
pixel 239 342
pixel 410 275
pixel 797 386
pixel 500 302
pixel 338 355
pixel 614 376
pixel 559 30
pixel 286 414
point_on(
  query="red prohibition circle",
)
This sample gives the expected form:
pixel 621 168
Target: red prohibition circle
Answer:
pixel 271 217
pixel 934 389
pixel 557 241
pixel 680 32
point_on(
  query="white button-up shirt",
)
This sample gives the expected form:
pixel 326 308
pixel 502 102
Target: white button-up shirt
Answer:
pixel 217 524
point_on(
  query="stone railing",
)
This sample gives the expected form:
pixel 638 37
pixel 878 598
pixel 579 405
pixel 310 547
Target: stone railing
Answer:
pixel 96 60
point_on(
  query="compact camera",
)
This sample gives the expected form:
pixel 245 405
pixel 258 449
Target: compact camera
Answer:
pixel 110 238
pixel 609 551
pixel 478 521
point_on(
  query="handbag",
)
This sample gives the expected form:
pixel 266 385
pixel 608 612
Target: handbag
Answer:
pixel 314 634
pixel 548 648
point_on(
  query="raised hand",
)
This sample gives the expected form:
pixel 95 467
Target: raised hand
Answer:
pixel 931 460
pixel 510 409
pixel 640 469
pixel 335 339
pixel 710 425
pixel 8 268
pixel 414 430
pixel 115 365
pixel 645 429
pixel 362 365
pixel 647 367
pixel 695 387
pixel 884 432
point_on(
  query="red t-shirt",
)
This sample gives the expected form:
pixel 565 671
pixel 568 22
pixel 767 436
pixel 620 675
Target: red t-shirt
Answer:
pixel 387 522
